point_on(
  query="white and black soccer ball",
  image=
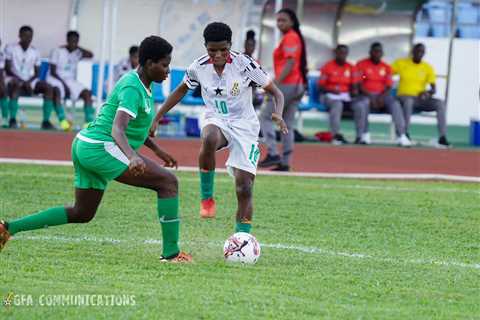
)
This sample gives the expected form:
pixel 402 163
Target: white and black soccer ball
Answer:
pixel 241 247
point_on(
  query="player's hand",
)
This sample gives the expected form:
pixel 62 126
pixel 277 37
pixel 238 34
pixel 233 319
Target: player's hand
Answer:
pixel 424 95
pixel 170 161
pixel 137 166
pixel 280 123
pixel 153 129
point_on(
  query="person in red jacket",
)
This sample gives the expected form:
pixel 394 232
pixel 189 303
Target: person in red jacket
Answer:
pixel 338 83
pixel 375 93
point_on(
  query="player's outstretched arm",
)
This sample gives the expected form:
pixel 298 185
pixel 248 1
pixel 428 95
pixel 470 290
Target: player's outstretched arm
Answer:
pixel 170 161
pixel 171 102
pixel 278 98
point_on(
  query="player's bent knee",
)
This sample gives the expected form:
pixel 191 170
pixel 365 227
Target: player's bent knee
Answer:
pixel 168 186
pixel 77 215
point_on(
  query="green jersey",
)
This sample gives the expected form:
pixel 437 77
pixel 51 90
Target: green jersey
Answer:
pixel 131 96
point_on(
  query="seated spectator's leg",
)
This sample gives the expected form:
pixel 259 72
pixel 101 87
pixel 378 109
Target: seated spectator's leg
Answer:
pixel 13 90
pixel 394 108
pixel 59 109
pixel 267 126
pixel 407 103
pixel 437 105
pixel 361 109
pixel 288 140
pixel 88 109
pixel 3 101
pixel 335 109
pixel 47 91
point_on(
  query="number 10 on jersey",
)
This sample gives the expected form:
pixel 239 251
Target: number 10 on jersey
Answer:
pixel 221 106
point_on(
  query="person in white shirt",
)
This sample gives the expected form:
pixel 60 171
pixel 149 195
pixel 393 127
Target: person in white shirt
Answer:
pixel 126 64
pixel 3 92
pixel 63 76
pixel 226 78
pixel 22 66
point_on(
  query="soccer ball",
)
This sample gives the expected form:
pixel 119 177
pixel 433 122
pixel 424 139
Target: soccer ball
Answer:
pixel 241 247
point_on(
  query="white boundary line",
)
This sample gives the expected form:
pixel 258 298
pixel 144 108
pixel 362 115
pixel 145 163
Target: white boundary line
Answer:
pixel 375 176
pixel 277 246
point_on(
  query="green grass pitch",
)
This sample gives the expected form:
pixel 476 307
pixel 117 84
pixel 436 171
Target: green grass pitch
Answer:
pixel 343 249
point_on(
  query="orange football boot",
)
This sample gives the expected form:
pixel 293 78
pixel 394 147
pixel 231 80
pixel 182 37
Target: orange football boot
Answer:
pixel 207 208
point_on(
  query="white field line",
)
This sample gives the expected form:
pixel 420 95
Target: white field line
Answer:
pixel 377 176
pixel 297 183
pixel 276 246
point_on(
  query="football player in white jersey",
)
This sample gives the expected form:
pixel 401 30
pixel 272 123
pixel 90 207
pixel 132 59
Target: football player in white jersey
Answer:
pixel 226 78
pixel 63 76
pixel 22 66
pixel 126 64
pixel 3 92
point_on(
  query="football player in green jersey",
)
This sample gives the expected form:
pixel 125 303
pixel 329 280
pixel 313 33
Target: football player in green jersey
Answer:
pixel 107 150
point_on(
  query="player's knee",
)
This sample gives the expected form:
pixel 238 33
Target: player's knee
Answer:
pixel 244 189
pixel 168 187
pixel 210 141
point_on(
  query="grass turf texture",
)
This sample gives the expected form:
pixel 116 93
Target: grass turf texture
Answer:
pixel 362 249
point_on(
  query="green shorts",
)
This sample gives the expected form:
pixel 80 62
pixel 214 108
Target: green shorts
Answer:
pixel 96 163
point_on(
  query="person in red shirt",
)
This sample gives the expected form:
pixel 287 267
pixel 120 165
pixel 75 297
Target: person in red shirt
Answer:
pixel 338 83
pixel 375 86
pixel 290 65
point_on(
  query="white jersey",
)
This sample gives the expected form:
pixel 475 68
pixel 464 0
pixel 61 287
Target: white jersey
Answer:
pixel 228 96
pixel 123 66
pixel 23 62
pixel 66 62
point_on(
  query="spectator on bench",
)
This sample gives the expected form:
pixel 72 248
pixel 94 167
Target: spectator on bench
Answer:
pixel 3 92
pixel 126 64
pixel 22 65
pixel 338 82
pixel 63 74
pixel 375 92
pixel 415 75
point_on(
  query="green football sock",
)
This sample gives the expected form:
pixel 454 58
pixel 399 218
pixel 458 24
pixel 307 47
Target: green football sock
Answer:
pixel 89 113
pixel 4 106
pixel 13 106
pixel 50 217
pixel 243 227
pixel 60 112
pixel 170 222
pixel 47 109
pixel 206 183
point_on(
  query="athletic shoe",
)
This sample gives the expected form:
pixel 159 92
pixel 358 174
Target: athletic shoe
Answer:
pixel 359 141
pixel 339 139
pixel 404 141
pixel 269 161
pixel 207 208
pixel 4 234
pixel 65 125
pixel 281 167
pixel 47 125
pixel 443 143
pixel 12 123
pixel 366 138
pixel 181 257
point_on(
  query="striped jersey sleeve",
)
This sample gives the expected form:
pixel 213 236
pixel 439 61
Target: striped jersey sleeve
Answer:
pixel 253 70
pixel 191 77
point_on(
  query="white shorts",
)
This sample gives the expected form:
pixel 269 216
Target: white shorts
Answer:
pixel 242 138
pixel 8 79
pixel 75 87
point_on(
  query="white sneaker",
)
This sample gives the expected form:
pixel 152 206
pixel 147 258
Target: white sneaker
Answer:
pixel 366 138
pixel 403 141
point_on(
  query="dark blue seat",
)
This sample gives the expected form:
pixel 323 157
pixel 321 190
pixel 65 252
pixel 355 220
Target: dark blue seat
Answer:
pixel 176 77
pixel 157 92
pixel 44 66
pixel 314 95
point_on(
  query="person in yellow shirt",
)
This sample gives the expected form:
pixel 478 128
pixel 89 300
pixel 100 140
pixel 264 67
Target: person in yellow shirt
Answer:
pixel 415 77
